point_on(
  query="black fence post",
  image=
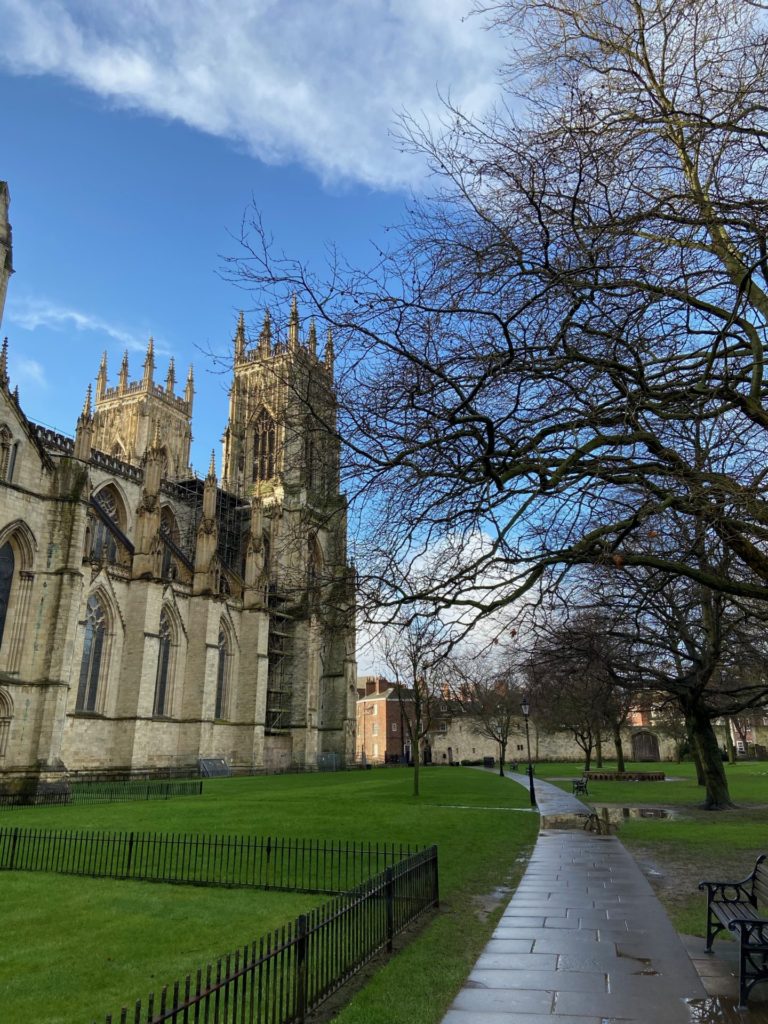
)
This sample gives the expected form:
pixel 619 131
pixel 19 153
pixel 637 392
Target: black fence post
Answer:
pixel 390 901
pixel 130 855
pixel 301 968
pixel 435 883
pixel 14 840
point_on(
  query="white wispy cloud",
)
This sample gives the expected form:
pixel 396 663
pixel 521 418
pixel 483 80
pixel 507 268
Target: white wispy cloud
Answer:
pixel 318 83
pixel 32 313
pixel 27 371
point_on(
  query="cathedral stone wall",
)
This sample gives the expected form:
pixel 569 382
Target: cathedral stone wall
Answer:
pixel 148 617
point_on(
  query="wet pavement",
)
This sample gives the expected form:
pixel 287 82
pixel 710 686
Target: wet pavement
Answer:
pixel 584 940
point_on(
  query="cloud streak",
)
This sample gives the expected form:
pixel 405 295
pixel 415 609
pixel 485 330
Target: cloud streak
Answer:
pixel 316 83
pixel 33 313
pixel 27 371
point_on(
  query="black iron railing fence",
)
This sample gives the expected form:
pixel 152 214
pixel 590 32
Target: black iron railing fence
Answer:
pixel 110 792
pixel 257 862
pixel 280 978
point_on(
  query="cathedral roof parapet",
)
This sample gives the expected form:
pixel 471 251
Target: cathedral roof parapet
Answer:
pixel 139 387
pixel 53 439
pixel 114 465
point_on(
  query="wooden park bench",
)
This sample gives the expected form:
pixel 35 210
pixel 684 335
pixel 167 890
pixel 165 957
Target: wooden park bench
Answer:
pixel 580 786
pixel 733 905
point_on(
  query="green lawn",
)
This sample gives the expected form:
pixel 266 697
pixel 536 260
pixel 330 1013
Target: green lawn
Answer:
pixel 84 947
pixel 693 845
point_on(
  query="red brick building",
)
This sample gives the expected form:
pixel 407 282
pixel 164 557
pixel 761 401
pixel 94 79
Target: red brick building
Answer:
pixel 382 734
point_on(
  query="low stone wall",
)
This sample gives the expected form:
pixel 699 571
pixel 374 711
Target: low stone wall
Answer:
pixel 625 776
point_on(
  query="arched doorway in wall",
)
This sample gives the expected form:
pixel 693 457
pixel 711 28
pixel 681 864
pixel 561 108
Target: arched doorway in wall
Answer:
pixel 645 747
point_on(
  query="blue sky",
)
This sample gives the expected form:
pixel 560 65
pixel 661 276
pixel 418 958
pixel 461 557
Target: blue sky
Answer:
pixel 133 136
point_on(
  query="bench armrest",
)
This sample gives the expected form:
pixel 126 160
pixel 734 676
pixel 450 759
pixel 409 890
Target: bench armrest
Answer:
pixel 729 892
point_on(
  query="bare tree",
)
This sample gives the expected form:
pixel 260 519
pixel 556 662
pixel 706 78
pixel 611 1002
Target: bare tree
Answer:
pixel 491 697
pixel 588 277
pixel 415 651
pixel 570 684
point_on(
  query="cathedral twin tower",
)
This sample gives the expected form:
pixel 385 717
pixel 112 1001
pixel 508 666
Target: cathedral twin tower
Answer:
pixel 149 618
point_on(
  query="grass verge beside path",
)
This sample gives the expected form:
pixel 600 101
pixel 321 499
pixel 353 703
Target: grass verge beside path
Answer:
pixel 101 944
pixel 677 853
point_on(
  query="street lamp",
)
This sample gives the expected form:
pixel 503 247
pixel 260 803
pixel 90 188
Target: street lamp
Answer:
pixel 525 708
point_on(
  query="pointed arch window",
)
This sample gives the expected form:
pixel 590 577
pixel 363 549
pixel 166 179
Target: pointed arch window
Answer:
pixel 7 567
pixel 92 663
pixel 6 451
pixel 264 446
pixel 6 714
pixel 222 676
pixel 164 666
pixel 103 543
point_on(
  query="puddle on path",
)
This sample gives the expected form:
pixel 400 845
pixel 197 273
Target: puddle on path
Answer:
pixel 616 815
pixel 721 1010
pixel 604 819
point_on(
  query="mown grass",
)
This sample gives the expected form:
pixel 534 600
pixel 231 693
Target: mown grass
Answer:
pixel 694 844
pixel 84 947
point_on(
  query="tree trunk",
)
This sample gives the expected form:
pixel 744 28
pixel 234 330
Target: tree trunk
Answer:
pixel 502 756
pixel 416 771
pixel 617 742
pixel 717 796
pixel 599 751
pixel 694 749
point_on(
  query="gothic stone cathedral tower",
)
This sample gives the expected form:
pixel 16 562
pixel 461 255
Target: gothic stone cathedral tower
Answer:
pixel 150 618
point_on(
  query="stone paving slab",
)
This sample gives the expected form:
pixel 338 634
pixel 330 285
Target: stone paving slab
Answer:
pixel 584 939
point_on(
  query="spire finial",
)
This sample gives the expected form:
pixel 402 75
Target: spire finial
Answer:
pixel 87 402
pixel 101 377
pixel 122 381
pixel 189 390
pixel 265 338
pixel 149 362
pixel 328 356
pixel 212 466
pixel 293 324
pixel 240 338
pixel 312 339
pixel 170 380
pixel 4 361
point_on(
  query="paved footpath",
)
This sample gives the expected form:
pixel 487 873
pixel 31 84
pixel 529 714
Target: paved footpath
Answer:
pixel 584 940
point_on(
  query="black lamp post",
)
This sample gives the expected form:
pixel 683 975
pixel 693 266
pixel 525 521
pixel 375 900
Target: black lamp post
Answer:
pixel 525 707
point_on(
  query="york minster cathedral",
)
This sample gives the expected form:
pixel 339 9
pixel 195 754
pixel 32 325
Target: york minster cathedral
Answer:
pixel 150 618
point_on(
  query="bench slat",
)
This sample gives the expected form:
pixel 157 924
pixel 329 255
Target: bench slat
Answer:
pixel 727 912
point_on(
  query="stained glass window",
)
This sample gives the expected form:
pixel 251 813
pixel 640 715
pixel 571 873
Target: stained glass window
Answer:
pixel 7 564
pixel 162 678
pixel 93 655
pixel 222 677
